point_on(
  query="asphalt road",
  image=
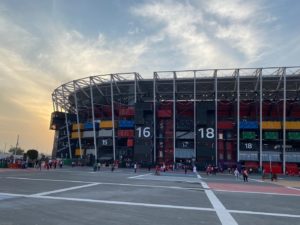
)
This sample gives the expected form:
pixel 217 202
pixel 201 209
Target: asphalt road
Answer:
pixel 72 196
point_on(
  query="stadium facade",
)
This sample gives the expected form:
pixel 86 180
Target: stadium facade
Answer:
pixel 224 117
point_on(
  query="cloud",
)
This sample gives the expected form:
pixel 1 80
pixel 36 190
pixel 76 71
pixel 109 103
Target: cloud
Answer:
pixel 32 66
pixel 209 33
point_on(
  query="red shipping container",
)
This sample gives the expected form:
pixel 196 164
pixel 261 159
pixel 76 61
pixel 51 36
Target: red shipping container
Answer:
pixel 229 146
pixel 225 125
pixel 126 112
pixel 125 133
pixel 276 167
pixel 220 145
pixel 292 169
pixel 130 143
pixel 164 113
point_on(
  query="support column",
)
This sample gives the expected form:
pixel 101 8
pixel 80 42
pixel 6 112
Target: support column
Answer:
pixel 135 83
pixel 93 115
pixel 260 117
pixel 284 118
pixel 174 116
pixel 154 117
pixel 238 114
pixel 113 115
pixel 216 114
pixel 77 117
pixel 67 123
pixel 195 118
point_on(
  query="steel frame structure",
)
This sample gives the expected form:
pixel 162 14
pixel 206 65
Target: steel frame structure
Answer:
pixel 236 84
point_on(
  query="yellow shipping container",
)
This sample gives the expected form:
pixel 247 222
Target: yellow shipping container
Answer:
pixel 292 125
pixel 75 135
pixel 76 125
pixel 106 124
pixel 78 152
pixel 271 125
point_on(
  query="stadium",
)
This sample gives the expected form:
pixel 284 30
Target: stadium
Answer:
pixel 246 117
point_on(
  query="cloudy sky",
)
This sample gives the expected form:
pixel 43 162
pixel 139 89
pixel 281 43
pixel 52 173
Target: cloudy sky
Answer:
pixel 44 44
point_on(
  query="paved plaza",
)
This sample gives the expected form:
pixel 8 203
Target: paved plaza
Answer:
pixel 79 196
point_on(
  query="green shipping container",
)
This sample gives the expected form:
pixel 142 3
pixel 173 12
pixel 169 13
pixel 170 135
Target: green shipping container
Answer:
pixel 248 135
pixel 293 135
pixel 271 135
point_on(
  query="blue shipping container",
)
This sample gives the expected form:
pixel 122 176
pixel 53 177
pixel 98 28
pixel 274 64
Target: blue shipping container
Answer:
pixel 248 125
pixel 126 124
pixel 89 126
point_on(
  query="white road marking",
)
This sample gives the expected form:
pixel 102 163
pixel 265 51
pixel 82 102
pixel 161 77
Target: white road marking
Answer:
pixel 257 180
pixel 13 195
pixel 224 216
pixel 65 189
pixel 148 205
pixel 292 188
pixel 255 192
pixel 53 180
pixel 264 213
pixel 125 203
pixel 151 186
pixel 140 175
pixel 106 183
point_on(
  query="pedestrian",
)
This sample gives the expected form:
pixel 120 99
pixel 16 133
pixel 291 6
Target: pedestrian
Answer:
pixel 208 170
pixel 273 177
pixel 236 174
pixel 194 169
pixel 40 164
pixel 135 167
pixel 60 164
pixel 157 170
pixel 245 175
pixel 263 174
pixel 112 167
pixel 164 167
pixel 185 169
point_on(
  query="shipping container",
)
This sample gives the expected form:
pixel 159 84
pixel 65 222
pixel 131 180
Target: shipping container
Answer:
pixel 126 124
pixel 271 125
pixel 105 124
pixel 295 125
pixel 105 133
pixel 75 126
pixel 75 135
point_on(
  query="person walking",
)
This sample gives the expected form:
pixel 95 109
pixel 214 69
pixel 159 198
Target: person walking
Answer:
pixel 245 175
pixel 236 174
pixel 40 164
pixel 135 167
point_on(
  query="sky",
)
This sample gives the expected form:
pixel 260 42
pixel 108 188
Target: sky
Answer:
pixel 44 44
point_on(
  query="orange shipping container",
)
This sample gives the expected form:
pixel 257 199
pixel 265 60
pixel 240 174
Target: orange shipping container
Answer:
pixel 295 125
pixel 75 135
pixel 76 125
pixel 271 125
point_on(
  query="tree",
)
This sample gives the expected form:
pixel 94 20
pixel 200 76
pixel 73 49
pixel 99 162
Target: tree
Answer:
pixel 32 154
pixel 17 151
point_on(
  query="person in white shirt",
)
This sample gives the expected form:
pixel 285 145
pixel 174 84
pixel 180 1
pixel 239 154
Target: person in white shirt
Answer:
pixel 236 174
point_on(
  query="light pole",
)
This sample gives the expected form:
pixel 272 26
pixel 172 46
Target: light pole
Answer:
pixel 15 153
